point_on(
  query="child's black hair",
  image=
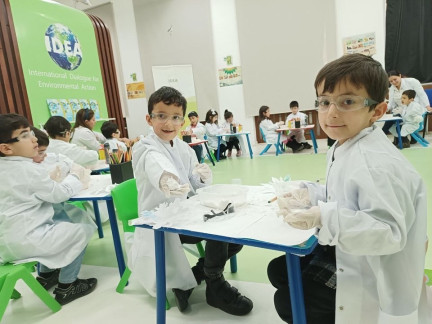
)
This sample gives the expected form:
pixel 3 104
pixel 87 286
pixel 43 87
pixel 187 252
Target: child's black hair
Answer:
pixel 294 104
pixel 193 114
pixel 108 128
pixel 262 111
pixel 411 94
pixel 210 113
pixel 42 137
pixel 227 114
pixel 169 96
pixel 57 126
pixel 9 123
pixel 82 116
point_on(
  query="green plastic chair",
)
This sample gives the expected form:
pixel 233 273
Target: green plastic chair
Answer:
pixel 10 274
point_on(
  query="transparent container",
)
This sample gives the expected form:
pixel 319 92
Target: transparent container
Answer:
pixel 219 195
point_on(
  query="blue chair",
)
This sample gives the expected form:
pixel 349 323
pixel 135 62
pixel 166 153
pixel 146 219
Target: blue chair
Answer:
pixel 417 136
pixel 269 145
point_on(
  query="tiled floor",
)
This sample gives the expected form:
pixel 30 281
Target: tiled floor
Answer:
pixel 136 306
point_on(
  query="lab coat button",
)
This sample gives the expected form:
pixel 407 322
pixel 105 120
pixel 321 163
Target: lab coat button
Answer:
pixel 341 308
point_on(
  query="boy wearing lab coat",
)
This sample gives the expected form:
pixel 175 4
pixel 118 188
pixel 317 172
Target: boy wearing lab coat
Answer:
pixel 166 168
pixel 28 203
pixel 370 216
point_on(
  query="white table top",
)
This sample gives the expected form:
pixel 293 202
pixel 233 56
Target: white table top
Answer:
pixel 387 117
pixel 100 186
pixel 233 134
pixel 285 128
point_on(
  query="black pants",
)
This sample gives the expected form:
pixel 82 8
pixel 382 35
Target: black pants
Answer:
pixel 233 142
pixel 318 298
pixel 222 149
pixel 216 254
pixel 387 125
pixel 198 151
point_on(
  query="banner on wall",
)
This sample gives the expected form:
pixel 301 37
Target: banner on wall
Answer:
pixel 59 58
pixel 179 77
pixel 362 44
pixel 230 76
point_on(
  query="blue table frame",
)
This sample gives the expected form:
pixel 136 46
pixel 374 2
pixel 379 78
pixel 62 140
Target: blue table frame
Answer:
pixel 206 147
pixel 307 127
pixel 292 258
pixel 113 222
pixel 397 120
pixel 234 134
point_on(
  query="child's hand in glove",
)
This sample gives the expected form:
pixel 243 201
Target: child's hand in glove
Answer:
pixel 170 186
pixel 204 171
pixel 303 219
pixel 82 174
pixel 298 198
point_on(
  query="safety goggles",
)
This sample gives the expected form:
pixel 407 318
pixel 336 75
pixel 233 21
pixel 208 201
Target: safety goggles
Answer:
pixel 343 103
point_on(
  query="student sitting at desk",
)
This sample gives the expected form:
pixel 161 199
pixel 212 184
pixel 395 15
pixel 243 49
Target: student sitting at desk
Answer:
pixel 371 216
pixel 196 130
pixel 166 168
pixel 233 141
pixel 59 129
pixel 302 117
pixel 82 132
pixel 28 199
pixel 213 129
pixel 411 116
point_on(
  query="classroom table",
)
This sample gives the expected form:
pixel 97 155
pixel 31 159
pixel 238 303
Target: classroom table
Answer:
pixel 199 142
pixel 98 191
pixel 254 224
pixel 305 127
pixel 234 134
pixel 397 120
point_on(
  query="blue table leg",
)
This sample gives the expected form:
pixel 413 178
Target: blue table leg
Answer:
pixel 116 237
pixel 159 237
pixel 233 264
pixel 399 134
pixel 250 147
pixel 312 135
pixel 296 289
pixel 218 149
pixel 97 217
pixel 278 143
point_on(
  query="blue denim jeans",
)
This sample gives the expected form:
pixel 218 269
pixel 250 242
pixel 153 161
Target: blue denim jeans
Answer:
pixel 69 273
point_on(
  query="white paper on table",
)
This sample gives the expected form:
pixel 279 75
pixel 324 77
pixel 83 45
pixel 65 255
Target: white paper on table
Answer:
pixel 99 186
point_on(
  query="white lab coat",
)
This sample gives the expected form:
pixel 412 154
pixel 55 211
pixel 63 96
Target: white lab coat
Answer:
pixel 375 215
pixel 28 202
pixel 77 154
pixel 412 117
pixel 298 133
pixel 269 130
pixel 151 158
pixel 115 144
pixel 212 130
pixel 407 84
pixel 83 136
pixel 199 130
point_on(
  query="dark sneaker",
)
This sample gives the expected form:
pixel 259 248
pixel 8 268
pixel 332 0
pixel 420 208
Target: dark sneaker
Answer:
pixel 298 148
pixel 413 140
pixel 220 294
pixel 182 297
pixel 77 289
pixel 306 145
pixel 51 281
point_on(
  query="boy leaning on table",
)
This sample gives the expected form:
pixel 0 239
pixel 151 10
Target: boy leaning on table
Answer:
pixel 29 200
pixel 166 168
pixel 370 217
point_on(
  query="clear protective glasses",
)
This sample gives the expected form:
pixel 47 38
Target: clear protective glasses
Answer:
pixel 343 103
pixel 23 136
pixel 42 153
pixel 161 117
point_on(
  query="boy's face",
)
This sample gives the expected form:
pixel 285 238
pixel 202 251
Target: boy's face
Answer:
pixel 344 125
pixel 166 120
pixel 41 154
pixel 25 146
pixel 116 134
pixel 294 110
pixel 193 120
pixel 405 100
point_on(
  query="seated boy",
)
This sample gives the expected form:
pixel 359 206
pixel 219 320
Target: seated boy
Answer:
pixel 412 116
pixel 27 201
pixel 166 168
pixel 297 133
pixel 112 134
pixel 370 217
pixel 197 130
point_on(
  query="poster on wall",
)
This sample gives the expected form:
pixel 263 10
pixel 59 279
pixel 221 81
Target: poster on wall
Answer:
pixel 230 76
pixel 135 90
pixel 59 58
pixel 179 77
pixel 362 44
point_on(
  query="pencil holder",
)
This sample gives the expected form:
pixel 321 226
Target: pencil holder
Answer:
pixel 121 172
pixel 187 138
pixel 297 124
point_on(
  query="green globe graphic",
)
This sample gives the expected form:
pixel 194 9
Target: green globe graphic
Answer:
pixel 63 47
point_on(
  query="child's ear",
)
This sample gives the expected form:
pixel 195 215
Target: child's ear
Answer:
pixel 148 119
pixel 379 111
pixel 6 149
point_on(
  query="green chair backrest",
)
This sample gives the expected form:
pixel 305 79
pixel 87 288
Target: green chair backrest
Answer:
pixel 125 197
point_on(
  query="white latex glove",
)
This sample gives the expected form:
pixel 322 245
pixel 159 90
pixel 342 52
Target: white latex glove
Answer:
pixel 56 174
pixel 171 187
pixel 82 174
pixel 298 198
pixel 304 218
pixel 203 170
pixel 397 110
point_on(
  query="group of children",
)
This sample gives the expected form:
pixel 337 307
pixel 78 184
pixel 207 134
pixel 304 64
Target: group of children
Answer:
pixel 371 216
pixel 295 139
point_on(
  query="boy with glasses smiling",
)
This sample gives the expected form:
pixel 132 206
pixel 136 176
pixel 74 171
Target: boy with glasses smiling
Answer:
pixel 370 216
pixel 28 199
pixel 166 168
